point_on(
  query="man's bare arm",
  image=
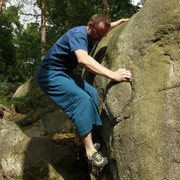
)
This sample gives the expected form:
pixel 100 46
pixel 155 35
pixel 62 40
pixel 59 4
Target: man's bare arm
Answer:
pixel 93 66
pixel 117 23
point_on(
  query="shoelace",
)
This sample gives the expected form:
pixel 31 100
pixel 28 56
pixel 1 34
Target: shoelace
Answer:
pixel 98 157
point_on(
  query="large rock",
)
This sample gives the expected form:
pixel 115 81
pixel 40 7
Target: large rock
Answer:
pixel 7 88
pixel 10 135
pixel 57 121
pixel 30 86
pixel 142 119
pixel 33 158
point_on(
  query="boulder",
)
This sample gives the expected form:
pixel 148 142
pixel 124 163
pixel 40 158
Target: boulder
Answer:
pixel 141 126
pixel 10 135
pixel 57 121
pixel 39 158
pixel 54 122
pixel 6 88
pixel 29 86
pixel 33 158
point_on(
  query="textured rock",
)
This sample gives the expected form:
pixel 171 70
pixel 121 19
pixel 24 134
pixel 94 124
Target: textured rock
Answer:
pixel 33 158
pixel 57 121
pixel 38 158
pixel 27 87
pixel 141 119
pixel 10 135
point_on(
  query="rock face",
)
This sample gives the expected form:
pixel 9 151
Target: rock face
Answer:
pixel 57 122
pixel 142 119
pixel 33 158
pixel 27 87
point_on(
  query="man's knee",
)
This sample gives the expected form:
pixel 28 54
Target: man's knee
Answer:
pixel 84 99
pixel 93 93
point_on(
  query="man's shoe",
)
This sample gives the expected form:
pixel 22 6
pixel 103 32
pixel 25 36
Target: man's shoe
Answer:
pixel 98 160
pixel 97 146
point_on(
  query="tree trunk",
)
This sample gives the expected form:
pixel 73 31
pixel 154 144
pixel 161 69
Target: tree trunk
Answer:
pixel 1 3
pixel 43 29
pixel 106 7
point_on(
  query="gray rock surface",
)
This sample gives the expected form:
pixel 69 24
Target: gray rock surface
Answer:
pixel 57 121
pixel 29 86
pixel 33 158
pixel 10 135
pixel 142 119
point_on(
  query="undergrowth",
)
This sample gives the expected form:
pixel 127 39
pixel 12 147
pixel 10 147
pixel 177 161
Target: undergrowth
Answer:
pixel 32 105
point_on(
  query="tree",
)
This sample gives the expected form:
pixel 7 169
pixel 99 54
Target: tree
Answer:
pixel 28 51
pixel 106 7
pixel 21 49
pixel 1 3
pixel 122 9
pixel 43 29
pixel 9 27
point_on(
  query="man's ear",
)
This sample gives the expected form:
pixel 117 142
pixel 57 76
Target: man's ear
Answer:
pixel 90 23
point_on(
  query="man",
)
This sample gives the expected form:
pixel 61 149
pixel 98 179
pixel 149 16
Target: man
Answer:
pixel 76 97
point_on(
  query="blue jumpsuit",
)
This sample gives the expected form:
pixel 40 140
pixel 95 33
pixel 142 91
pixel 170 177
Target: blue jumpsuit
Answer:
pixel 76 97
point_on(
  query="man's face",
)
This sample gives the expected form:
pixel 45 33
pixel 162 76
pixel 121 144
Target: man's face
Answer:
pixel 96 34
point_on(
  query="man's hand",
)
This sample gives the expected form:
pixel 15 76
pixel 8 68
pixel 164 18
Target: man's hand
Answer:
pixel 123 20
pixel 122 75
pixel 117 23
pixel 93 66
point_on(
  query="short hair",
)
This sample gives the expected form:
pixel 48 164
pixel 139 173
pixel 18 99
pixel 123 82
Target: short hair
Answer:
pixel 97 18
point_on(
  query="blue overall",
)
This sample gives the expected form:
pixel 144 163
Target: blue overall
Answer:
pixel 76 97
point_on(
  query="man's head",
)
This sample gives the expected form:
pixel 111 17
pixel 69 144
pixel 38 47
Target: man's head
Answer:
pixel 98 26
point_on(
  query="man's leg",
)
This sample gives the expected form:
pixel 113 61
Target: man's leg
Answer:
pixel 94 156
pixel 88 144
pixel 77 104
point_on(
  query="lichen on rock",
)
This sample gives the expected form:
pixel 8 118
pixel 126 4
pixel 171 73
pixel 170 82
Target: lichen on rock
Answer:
pixel 141 119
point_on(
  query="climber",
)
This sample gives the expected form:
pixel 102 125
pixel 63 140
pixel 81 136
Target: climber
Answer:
pixel 76 97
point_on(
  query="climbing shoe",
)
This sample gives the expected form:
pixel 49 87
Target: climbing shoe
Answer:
pixel 97 146
pixel 98 160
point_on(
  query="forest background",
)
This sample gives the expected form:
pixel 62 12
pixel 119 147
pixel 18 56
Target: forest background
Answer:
pixel 22 47
pixel 23 44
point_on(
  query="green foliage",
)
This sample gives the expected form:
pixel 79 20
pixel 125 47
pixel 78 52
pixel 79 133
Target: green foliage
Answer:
pixel 34 106
pixel 61 15
pixel 5 97
pixel 28 51
pixel 121 9
pixel 8 20
pixel 20 49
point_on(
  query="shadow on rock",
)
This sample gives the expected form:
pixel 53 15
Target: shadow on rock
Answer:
pixel 99 57
pixel 45 159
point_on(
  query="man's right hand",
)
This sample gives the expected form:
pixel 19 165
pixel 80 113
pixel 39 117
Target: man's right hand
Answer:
pixel 122 75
